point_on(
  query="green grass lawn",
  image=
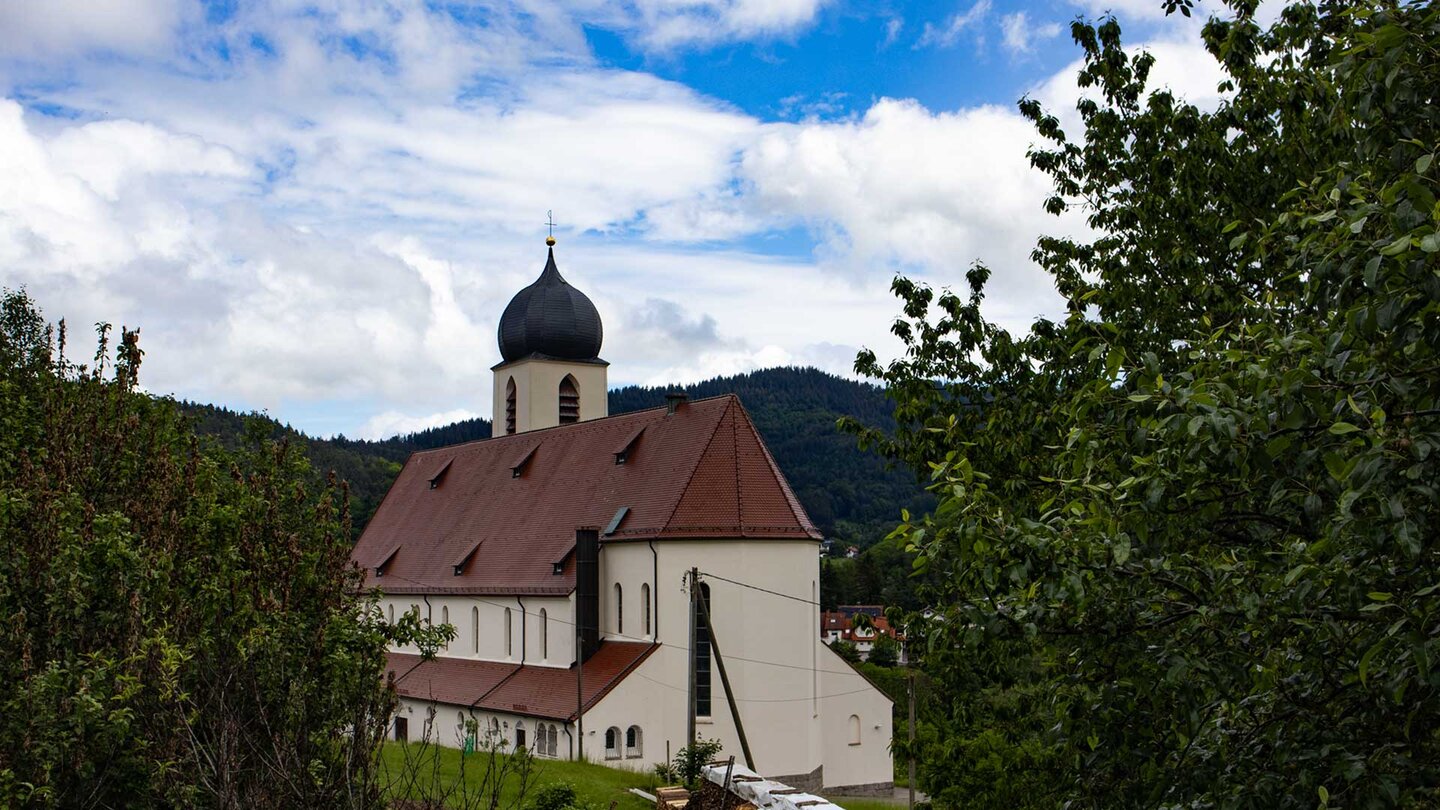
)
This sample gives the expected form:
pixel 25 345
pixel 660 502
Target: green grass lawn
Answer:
pixel 596 785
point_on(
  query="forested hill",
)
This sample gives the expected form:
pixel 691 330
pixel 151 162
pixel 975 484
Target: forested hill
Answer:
pixel 849 493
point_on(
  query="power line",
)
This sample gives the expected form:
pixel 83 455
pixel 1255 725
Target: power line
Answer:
pixel 677 647
pixel 762 590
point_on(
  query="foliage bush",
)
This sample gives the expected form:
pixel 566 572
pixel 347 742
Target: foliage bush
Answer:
pixel 182 624
pixel 1185 542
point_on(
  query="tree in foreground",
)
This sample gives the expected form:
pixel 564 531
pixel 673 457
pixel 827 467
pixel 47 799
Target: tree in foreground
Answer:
pixel 1186 549
pixel 181 626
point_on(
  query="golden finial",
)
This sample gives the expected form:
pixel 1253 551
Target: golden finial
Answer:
pixel 550 240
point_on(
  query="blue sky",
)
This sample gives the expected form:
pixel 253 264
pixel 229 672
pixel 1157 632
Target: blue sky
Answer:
pixel 319 208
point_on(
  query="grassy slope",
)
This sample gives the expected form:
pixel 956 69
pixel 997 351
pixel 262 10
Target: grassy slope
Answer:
pixel 597 785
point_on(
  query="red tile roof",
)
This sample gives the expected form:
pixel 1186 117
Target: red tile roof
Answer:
pixel 529 690
pixel 701 472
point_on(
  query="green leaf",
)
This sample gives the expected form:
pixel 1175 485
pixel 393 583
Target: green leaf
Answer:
pixel 1422 163
pixel 1341 428
pixel 1380 596
pixel 1400 245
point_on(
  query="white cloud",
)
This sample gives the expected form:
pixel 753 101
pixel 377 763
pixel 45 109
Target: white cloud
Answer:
pixel 344 230
pixel 908 189
pixel 667 24
pixel 393 423
pixel 948 33
pixel 1020 35
pixel 51 28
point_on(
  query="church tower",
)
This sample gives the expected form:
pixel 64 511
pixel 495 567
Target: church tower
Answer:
pixel 551 373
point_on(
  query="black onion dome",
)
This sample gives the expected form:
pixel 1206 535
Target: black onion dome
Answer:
pixel 552 319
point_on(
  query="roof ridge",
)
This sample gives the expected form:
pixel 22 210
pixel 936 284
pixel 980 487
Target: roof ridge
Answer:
pixel 571 426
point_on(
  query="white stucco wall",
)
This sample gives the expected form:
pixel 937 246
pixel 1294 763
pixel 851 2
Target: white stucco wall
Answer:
pixel 851 759
pixel 557 644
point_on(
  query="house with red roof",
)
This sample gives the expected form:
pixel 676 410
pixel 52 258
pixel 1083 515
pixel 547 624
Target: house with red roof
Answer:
pixel 578 554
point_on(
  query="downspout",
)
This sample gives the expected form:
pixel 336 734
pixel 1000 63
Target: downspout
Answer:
pixel 655 592
pixel 521 603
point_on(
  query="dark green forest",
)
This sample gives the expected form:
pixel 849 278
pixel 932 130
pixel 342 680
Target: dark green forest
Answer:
pixel 850 494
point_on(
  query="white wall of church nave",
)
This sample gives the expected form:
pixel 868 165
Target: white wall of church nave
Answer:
pixel 445 725
pixel 767 641
pixel 554 645
pixel 537 392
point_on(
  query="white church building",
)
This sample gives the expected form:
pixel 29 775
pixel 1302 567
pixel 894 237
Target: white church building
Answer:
pixel 562 550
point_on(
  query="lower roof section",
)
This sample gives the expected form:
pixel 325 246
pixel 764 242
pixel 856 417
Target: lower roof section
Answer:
pixel 494 686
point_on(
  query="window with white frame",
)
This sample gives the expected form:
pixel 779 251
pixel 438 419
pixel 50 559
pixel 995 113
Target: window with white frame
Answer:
pixel 633 741
pixel 612 743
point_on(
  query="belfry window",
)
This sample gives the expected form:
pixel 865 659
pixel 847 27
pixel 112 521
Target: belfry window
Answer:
pixel 510 405
pixel 569 401
pixel 544 637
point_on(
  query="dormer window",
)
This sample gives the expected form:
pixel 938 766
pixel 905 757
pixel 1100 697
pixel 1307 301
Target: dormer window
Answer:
pixel 463 561
pixel 517 470
pixel 440 476
pixel 385 560
pixel 557 569
pixel 625 448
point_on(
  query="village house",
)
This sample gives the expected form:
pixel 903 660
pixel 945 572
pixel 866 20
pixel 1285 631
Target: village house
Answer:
pixel 574 551
pixel 843 624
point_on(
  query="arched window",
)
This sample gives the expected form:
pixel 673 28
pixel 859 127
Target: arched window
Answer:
pixel 475 630
pixel 554 745
pixel 445 619
pixel 619 610
pixel 519 734
pixel 544 635
pixel 509 635
pixel 569 401
pixel 392 612
pixel 510 405
pixel 612 743
pixel 645 606
pixel 702 655
pixel 854 729
pixel 632 742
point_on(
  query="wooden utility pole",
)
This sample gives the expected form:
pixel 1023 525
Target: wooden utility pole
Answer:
pixel 580 697
pixel 694 577
pixel 725 682
pixel 910 749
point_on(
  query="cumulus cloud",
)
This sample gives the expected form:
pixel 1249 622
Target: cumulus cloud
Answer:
pixel 1020 35
pixel 948 33
pixel 343 231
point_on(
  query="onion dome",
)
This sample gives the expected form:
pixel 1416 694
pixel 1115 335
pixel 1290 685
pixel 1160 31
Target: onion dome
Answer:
pixel 550 319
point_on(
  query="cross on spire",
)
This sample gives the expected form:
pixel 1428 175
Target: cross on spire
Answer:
pixel 550 221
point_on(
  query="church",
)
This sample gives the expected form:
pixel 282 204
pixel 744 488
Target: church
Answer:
pixel 616 581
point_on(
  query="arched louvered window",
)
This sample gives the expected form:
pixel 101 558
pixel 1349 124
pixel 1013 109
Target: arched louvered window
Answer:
pixel 569 401
pixel 645 606
pixel 544 636
pixel 475 630
pixel 510 405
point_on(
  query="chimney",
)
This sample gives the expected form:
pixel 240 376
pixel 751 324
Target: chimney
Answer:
pixel 587 590
pixel 674 400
